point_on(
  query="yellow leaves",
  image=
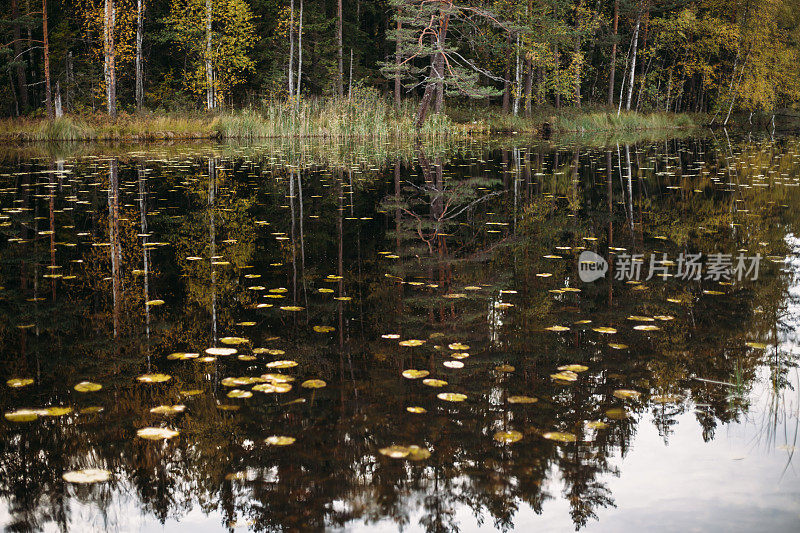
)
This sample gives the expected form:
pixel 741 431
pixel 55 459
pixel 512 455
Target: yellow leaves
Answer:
pixel 168 409
pixel 415 374
pixel 219 351
pixel 22 415
pixel 626 394
pixel 233 341
pixel 508 437
pixel 16 383
pixel 86 476
pixel 278 388
pixel 87 386
pixel 154 378
pixel 574 368
pixel 451 396
pixel 522 399
pixel 411 342
pixel 560 436
pixel 232 38
pixel 153 433
pixel 279 440
pixel 565 375
pixel 282 364
pixel 413 452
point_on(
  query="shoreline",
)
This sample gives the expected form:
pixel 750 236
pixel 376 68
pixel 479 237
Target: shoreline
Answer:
pixel 336 124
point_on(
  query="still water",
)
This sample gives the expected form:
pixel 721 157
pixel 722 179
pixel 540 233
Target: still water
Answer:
pixel 282 338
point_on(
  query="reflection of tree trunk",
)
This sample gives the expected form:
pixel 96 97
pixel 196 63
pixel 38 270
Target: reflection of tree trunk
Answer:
pixel 610 194
pixel 302 239
pixel 340 263
pixel 398 213
pixel 294 247
pixel 430 184
pixel 630 186
pixel 113 231
pixel 145 251
pixel 212 232
pixel 52 235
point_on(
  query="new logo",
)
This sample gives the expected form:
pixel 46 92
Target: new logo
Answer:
pixel 591 266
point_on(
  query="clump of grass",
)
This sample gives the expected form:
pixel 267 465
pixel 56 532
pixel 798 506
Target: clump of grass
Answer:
pixel 364 114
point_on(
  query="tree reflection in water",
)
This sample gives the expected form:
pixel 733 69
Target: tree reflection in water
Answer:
pixel 433 245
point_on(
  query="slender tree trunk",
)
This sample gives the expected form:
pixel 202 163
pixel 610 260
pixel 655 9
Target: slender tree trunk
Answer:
pixel 339 40
pixel 518 80
pixel 528 86
pixel 59 111
pixel 577 55
pixel 397 60
pixel 299 53
pixel 291 49
pixel 507 81
pixel 46 44
pixel 643 67
pixel 633 63
pixel 22 79
pixel 211 100
pixel 139 60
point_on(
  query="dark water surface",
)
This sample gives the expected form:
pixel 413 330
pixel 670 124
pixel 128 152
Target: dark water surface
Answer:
pixel 125 271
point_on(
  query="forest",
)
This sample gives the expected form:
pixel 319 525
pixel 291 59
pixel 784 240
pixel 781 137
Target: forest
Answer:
pixel 469 59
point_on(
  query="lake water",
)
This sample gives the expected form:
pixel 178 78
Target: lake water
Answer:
pixel 348 338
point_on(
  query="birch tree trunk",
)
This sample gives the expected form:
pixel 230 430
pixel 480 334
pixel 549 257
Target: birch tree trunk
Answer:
pixel 139 64
pixel 613 64
pixel 577 55
pixel 340 81
pixel 507 83
pixel 210 98
pixel 299 54
pixel 518 80
pixel 46 45
pixel 633 63
pixel 291 49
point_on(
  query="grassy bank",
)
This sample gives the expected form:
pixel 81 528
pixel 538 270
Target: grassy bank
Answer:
pixel 572 120
pixel 366 115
